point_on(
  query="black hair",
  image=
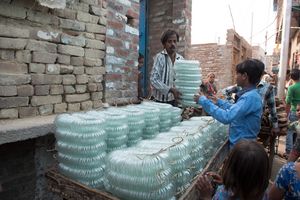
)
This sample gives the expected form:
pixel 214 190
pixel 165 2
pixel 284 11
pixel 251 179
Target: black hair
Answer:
pixel 254 69
pixel 295 74
pixel 140 56
pixel 246 172
pixel 165 36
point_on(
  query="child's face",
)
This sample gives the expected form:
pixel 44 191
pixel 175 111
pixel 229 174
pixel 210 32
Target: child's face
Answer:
pixel 298 111
pixel 211 78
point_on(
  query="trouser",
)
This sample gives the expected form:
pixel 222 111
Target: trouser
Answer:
pixel 291 135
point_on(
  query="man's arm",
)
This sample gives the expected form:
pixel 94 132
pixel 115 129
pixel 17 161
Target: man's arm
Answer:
pixel 270 100
pixel 156 76
pixel 288 100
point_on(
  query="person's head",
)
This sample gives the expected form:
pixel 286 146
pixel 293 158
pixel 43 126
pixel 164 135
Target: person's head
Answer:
pixel 249 72
pixel 211 77
pixel 246 172
pixel 169 40
pixel 298 111
pixel 295 74
pixel 288 74
pixel 140 60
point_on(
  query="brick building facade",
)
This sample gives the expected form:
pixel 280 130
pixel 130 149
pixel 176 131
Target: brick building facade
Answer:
pixel 221 59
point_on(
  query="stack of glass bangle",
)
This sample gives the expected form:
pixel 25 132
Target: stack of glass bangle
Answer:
pixel 188 80
pixel 81 148
pixel 165 114
pixel 117 129
pixel 176 116
pixel 139 174
pixel 136 124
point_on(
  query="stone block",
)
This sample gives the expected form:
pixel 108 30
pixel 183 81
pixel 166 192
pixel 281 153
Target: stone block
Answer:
pixel 94 28
pixel 66 69
pixel 43 57
pixel 64 59
pixel 41 90
pixel 85 17
pixel 46 109
pixel 76 61
pixel 73 107
pixel 82 79
pixel 96 78
pixel 72 98
pixel 100 37
pixel 69 79
pixel 42 18
pixel 41 46
pixel 80 89
pixel 13 102
pixel 92 62
pixel 44 100
pixel 95 70
pixel 96 96
pixel 23 56
pixel 92 87
pixel 72 24
pixel 97 104
pixel 9 113
pixel 60 108
pixel 7 10
pixel 25 90
pixel 99 87
pixel 72 40
pixel 53 69
pixel 7 54
pixel 56 89
pixel 8 67
pixel 102 20
pixel 94 53
pixel 71 50
pixel 37 68
pixel 91 2
pixel 46 79
pixel 28 112
pixel 65 13
pixel 50 36
pixel 69 89
pixel 86 105
pixel 80 7
pixel 10 31
pixel 8 91
pixel 95 44
pixel 96 10
pixel 78 70
pixel 12 43
pixel 14 79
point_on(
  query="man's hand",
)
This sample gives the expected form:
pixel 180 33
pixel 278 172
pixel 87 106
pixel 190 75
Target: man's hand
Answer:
pixel 205 187
pixel 213 98
pixel 275 131
pixel 176 93
pixel 197 97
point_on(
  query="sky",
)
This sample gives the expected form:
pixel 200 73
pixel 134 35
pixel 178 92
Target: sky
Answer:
pixel 212 18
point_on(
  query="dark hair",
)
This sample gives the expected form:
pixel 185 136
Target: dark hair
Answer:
pixel 254 69
pixel 295 74
pixel 246 172
pixel 165 36
pixel 140 56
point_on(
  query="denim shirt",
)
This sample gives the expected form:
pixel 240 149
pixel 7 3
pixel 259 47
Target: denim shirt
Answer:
pixel 243 116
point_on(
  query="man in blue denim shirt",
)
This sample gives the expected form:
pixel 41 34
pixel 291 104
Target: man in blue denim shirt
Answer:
pixel 243 116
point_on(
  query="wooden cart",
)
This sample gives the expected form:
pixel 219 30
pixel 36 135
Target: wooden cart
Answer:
pixel 70 189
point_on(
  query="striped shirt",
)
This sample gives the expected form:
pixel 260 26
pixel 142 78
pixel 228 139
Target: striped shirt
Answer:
pixel 163 76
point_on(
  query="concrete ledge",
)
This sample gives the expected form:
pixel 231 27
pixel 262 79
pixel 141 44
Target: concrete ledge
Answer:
pixel 28 128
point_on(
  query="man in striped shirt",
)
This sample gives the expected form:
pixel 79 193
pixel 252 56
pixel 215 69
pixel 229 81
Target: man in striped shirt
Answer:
pixel 163 74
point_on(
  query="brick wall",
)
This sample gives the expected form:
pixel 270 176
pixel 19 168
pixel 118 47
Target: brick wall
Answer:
pixel 165 15
pixel 221 59
pixel 122 42
pixel 51 60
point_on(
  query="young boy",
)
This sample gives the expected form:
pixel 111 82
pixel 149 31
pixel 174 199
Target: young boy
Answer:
pixel 292 99
pixel 243 116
